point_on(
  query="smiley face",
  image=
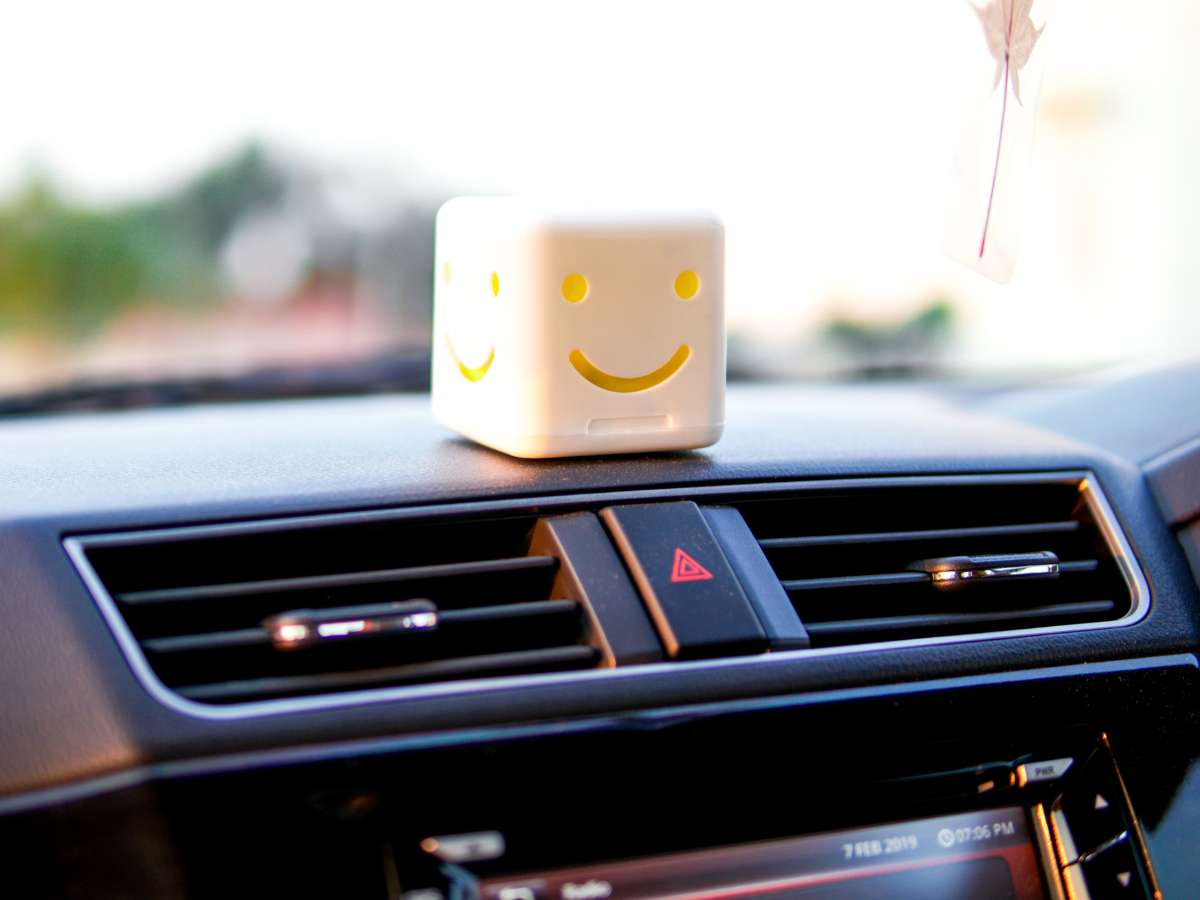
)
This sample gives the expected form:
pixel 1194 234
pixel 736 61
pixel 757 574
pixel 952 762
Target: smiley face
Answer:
pixel 472 373
pixel 575 290
pixel 578 330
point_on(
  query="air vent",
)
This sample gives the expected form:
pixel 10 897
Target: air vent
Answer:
pixel 932 559
pixel 265 613
pixel 236 620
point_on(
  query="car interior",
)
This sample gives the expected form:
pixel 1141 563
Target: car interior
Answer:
pixel 923 622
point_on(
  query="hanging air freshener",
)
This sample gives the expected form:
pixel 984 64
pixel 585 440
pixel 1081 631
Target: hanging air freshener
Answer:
pixel 993 160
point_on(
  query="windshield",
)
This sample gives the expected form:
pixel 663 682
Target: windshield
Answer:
pixel 244 188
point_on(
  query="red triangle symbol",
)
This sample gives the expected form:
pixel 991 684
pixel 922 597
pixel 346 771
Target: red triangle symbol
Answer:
pixel 687 569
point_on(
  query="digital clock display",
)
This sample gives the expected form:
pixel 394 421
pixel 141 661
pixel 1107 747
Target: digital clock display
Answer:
pixel 973 855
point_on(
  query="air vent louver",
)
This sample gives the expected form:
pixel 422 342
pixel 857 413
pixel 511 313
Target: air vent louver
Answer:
pixel 863 566
pixel 226 615
pixel 267 613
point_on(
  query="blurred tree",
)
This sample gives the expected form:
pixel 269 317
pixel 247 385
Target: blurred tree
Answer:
pixel 67 269
pixel 912 344
pixel 63 266
pixel 207 207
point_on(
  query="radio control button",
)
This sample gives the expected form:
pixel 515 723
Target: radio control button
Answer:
pixel 1092 806
pixel 1113 872
pixel 1043 770
pixel 521 890
pixel 464 848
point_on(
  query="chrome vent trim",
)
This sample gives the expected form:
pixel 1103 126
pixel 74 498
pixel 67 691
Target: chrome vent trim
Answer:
pixel 76 547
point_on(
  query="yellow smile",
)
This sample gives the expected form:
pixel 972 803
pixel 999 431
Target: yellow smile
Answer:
pixel 471 373
pixel 621 385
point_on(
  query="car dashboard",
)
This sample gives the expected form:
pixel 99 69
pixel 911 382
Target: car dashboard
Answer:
pixel 882 640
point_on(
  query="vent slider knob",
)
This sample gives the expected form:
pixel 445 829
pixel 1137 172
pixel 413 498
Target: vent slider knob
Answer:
pixel 954 572
pixel 307 627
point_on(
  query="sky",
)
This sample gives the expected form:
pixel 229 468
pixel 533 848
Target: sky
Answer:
pixel 824 133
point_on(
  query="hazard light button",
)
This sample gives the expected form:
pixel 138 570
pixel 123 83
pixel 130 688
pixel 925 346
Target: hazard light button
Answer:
pixel 696 602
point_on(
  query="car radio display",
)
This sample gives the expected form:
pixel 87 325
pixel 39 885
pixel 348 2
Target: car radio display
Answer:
pixel 973 855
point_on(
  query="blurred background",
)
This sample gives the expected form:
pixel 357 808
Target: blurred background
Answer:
pixel 199 193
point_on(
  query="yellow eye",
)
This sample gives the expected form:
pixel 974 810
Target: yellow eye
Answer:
pixel 495 285
pixel 446 274
pixel 574 288
pixel 687 285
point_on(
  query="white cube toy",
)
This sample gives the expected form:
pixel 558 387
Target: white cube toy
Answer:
pixel 567 333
